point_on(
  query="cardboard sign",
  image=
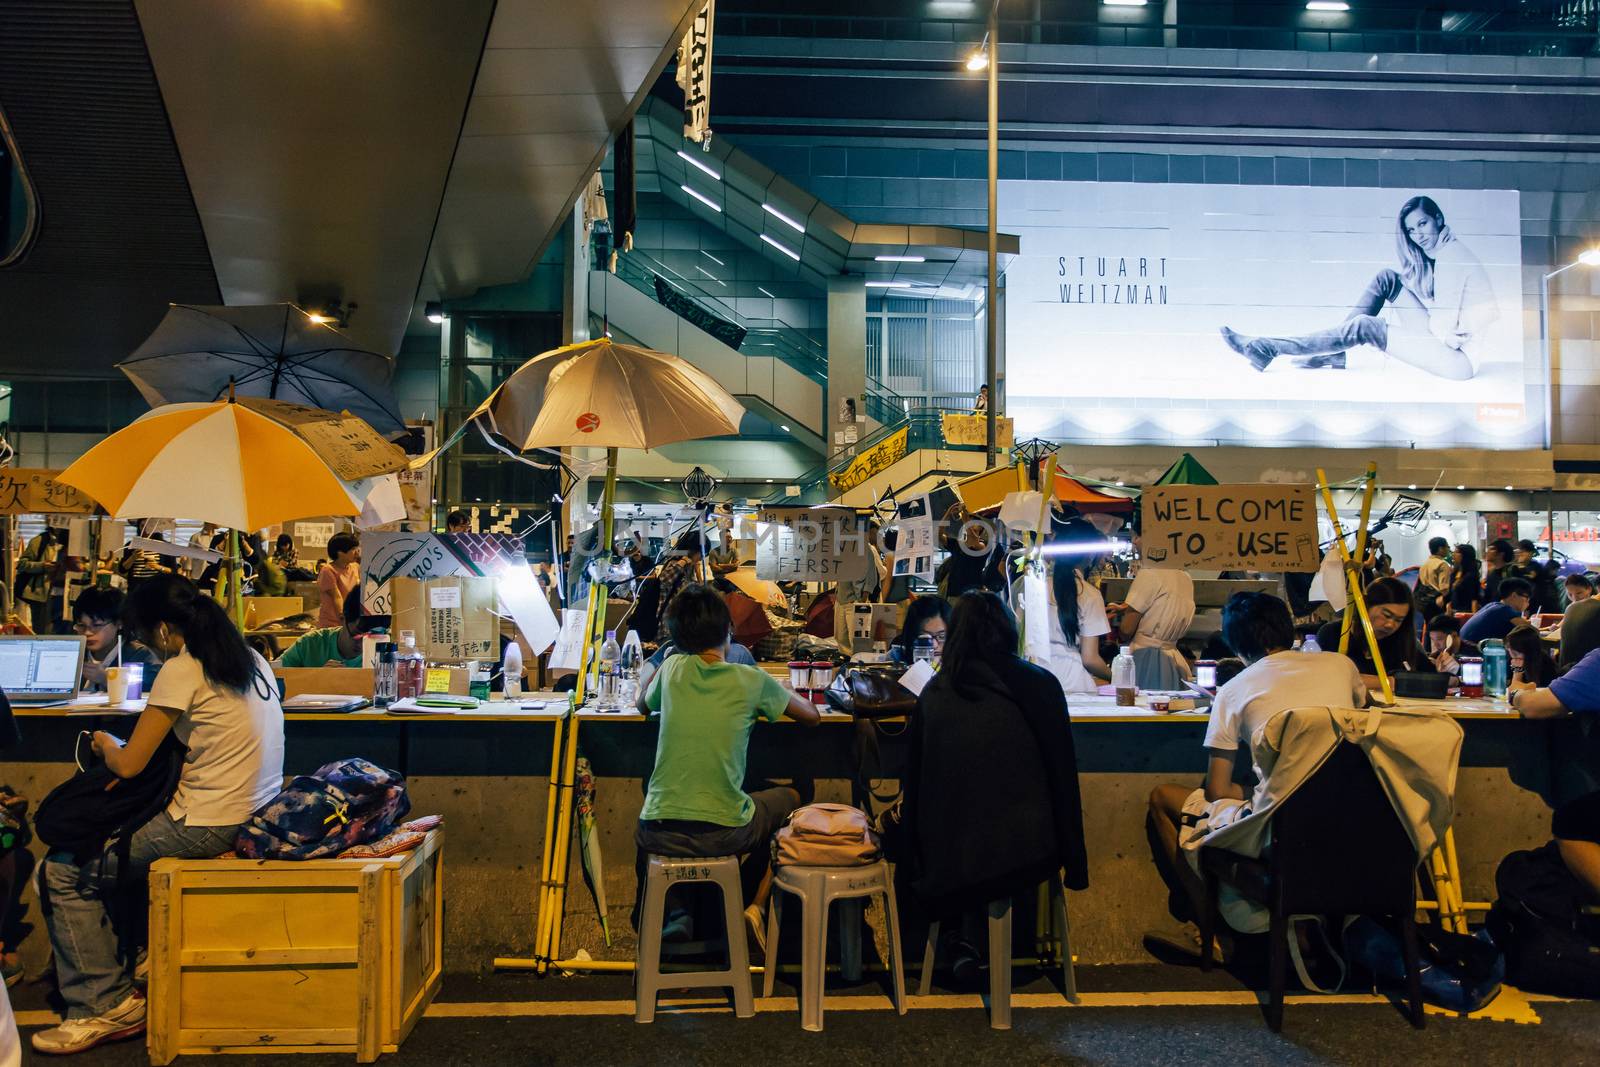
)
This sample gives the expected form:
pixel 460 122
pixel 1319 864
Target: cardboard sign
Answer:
pixel 24 491
pixel 451 628
pixel 811 545
pixel 350 447
pixel 1256 527
pixel 973 430
pixel 878 458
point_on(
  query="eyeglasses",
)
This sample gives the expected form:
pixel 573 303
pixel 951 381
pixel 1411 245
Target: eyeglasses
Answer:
pixel 92 625
pixel 938 636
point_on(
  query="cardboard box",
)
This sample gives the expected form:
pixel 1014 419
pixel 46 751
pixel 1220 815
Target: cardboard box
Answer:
pixel 453 617
pixel 351 681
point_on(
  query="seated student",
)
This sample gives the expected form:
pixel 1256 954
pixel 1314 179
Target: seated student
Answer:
pixel 988 717
pixel 1496 619
pixel 1580 626
pixel 1445 647
pixel 1158 612
pixel 925 616
pixel 696 804
pixel 1389 606
pixel 1527 656
pixel 335 646
pixel 216 697
pixel 97 615
pixel 1259 628
pixel 457 522
pixel 1575 824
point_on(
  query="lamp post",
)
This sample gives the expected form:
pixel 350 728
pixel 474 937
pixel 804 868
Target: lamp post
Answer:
pixel 1588 258
pixel 987 58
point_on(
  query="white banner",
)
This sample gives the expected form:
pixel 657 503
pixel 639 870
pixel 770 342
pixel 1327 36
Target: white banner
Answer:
pixel 1265 315
pixel 694 75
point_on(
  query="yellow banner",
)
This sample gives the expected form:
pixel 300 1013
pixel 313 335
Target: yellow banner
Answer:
pixel 27 492
pixel 879 457
pixel 974 430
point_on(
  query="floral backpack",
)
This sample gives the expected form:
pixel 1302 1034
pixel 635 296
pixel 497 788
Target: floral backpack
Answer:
pixel 319 815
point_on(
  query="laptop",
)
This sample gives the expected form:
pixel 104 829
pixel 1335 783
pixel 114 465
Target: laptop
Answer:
pixel 40 669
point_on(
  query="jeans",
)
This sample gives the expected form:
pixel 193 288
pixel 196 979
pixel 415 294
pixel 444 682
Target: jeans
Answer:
pixel 93 977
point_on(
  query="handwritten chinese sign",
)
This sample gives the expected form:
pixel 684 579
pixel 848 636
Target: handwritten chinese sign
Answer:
pixel 26 491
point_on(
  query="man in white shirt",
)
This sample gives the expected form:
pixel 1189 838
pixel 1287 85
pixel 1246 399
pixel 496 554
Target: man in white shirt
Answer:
pixel 1259 628
pixel 1158 611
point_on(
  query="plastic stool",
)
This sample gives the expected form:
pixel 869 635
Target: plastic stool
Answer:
pixel 818 887
pixel 1000 955
pixel 648 981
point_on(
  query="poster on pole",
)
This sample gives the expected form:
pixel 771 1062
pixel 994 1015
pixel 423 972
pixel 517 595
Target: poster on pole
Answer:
pixel 1258 527
pixel 913 548
pixel 821 544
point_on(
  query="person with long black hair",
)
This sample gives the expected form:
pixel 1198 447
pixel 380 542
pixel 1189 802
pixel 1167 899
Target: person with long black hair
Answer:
pixel 1077 617
pixel 217 698
pixel 926 616
pixel 1389 608
pixel 1466 581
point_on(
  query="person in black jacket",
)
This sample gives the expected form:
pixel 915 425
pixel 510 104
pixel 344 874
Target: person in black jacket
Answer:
pixel 991 805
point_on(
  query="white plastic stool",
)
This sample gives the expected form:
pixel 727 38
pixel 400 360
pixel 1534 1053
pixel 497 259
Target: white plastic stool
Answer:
pixel 818 887
pixel 664 872
pixel 1000 955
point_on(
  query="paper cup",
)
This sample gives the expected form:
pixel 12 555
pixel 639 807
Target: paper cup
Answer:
pixel 117 684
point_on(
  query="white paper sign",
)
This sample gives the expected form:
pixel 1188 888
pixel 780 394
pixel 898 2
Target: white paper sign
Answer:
pixel 918 675
pixel 913 549
pixel 1036 610
pixel 444 596
pixel 569 642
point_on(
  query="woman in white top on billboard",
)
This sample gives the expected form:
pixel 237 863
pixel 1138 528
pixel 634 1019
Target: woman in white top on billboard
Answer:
pixel 1438 305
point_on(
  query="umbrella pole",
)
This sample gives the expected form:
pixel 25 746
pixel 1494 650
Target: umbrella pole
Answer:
pixel 235 570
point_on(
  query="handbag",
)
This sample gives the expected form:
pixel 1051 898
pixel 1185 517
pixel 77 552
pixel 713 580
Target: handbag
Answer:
pixel 870 693
pixel 826 835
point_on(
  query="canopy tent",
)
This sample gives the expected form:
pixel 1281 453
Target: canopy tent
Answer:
pixel 1186 471
pixel 1074 494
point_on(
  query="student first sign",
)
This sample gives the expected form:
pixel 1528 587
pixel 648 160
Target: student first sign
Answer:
pixel 1230 527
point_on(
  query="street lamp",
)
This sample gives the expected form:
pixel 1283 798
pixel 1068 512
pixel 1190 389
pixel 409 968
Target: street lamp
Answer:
pixel 987 58
pixel 1589 257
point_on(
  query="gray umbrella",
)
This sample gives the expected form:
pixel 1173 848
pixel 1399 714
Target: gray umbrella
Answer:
pixel 272 350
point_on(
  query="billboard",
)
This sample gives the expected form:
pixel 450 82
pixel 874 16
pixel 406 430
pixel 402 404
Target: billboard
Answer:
pixel 1268 315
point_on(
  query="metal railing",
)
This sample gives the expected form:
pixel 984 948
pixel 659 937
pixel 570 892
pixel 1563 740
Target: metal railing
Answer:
pixel 924 429
pixel 1537 42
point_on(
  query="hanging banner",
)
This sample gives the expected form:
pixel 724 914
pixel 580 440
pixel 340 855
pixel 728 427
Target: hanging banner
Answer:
pixel 25 491
pixel 694 75
pixel 974 430
pixel 913 546
pixel 880 457
pixel 821 544
pixel 1258 527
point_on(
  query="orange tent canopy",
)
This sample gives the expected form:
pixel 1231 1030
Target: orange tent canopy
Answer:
pixel 1073 493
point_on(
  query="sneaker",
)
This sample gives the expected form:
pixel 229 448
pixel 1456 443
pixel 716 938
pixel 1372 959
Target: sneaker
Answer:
pixel 11 971
pixel 755 925
pixel 141 969
pixel 678 928
pixel 79 1035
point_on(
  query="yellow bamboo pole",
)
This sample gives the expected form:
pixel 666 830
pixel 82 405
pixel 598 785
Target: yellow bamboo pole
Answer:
pixel 1358 602
pixel 1367 492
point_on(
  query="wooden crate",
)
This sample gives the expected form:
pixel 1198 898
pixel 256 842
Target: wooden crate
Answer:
pixel 339 955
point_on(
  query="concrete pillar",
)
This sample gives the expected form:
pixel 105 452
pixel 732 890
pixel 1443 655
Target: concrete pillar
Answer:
pixel 575 279
pixel 847 355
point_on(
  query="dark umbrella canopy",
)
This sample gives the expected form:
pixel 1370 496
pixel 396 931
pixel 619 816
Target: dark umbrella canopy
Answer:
pixel 274 351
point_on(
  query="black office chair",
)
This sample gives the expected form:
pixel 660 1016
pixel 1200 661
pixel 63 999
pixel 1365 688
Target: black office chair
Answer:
pixel 1338 848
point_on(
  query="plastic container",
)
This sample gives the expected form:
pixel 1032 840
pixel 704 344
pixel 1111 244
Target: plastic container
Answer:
pixel 628 679
pixel 409 669
pixel 821 673
pixel 477 679
pixel 799 675
pixel 1496 667
pixel 384 679
pixel 609 665
pixel 922 649
pixel 1124 679
pixel 512 668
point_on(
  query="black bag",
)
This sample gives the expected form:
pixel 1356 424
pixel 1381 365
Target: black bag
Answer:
pixel 1538 922
pixel 871 692
pixel 94 807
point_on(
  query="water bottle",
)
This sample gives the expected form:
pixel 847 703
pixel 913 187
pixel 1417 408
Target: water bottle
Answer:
pixel 383 675
pixel 1310 644
pixel 609 664
pixel 632 659
pixel 1495 667
pixel 922 649
pixel 511 672
pixel 409 669
pixel 1123 678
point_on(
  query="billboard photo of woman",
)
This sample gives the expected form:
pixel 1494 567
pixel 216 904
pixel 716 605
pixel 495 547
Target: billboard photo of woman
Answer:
pixel 1431 313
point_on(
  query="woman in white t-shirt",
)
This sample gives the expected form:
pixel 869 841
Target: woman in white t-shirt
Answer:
pixel 1077 610
pixel 217 697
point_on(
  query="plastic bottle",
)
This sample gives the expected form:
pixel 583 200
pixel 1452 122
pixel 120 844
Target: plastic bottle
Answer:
pixel 610 665
pixel 511 668
pixel 632 660
pixel 1123 678
pixel 1310 644
pixel 477 680
pixel 409 668
pixel 383 675
pixel 1496 667
pixel 922 649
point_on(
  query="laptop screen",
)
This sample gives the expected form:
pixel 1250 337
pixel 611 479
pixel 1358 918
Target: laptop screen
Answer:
pixel 40 666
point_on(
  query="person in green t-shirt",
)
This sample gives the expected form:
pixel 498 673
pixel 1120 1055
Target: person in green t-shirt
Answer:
pixel 696 804
pixel 336 646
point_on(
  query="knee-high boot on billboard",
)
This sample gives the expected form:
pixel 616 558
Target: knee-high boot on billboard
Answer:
pixel 1356 330
pixel 1384 288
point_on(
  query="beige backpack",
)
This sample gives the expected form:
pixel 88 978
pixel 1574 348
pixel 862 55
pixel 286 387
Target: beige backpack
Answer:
pixel 826 835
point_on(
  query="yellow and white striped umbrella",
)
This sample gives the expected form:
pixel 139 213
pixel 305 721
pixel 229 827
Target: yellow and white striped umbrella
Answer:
pixel 221 462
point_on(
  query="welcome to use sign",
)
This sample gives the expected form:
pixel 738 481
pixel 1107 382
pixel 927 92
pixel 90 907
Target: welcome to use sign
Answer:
pixel 1255 527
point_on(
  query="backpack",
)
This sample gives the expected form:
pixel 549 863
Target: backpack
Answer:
pixel 317 815
pixel 826 835
pixel 1538 921
pixel 94 808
